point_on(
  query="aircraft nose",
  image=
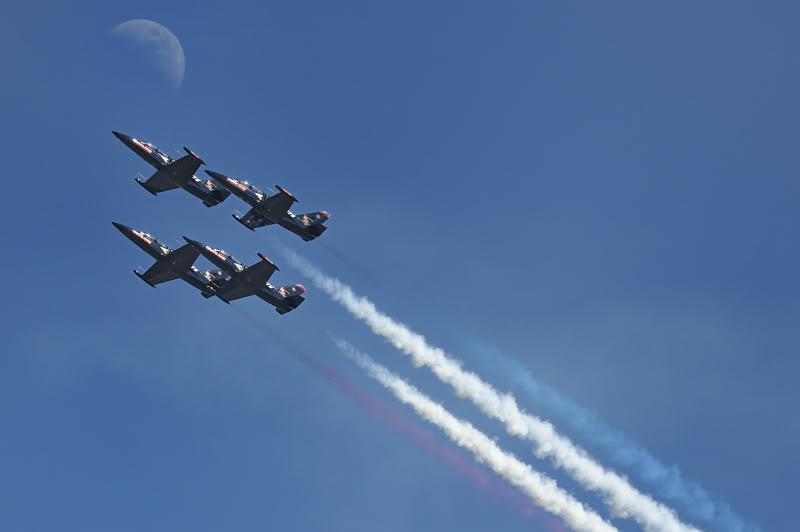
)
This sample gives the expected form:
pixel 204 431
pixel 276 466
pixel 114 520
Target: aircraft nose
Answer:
pixel 193 243
pixel 126 139
pixel 125 230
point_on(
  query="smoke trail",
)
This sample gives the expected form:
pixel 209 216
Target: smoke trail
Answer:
pixel 668 481
pixel 541 489
pixel 497 490
pixel 426 441
pixel 622 498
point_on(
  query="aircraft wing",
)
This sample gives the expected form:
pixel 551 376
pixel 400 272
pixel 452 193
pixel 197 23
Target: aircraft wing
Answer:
pixel 253 219
pixel 158 182
pixel 233 289
pixel 278 205
pixel 179 260
pixel 183 257
pixel 185 167
pixel 260 272
pixel 158 273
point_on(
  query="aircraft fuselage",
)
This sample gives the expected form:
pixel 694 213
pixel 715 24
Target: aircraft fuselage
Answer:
pixel 254 197
pixel 204 189
pixel 239 274
pixel 162 253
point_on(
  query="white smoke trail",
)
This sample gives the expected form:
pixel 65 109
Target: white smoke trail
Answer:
pixel 543 490
pixel 699 503
pixel 622 499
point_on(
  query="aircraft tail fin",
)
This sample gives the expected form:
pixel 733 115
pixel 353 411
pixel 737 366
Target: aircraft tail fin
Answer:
pixel 213 192
pixel 317 230
pixel 215 278
pixel 220 194
pixel 312 218
pixel 292 297
pixel 312 223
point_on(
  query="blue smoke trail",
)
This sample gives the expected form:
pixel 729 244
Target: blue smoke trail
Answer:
pixel 666 480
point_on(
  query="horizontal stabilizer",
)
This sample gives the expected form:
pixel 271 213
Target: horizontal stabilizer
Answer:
pixel 220 194
pixel 212 277
pixel 214 280
pixel 312 218
pixel 291 292
pixel 292 301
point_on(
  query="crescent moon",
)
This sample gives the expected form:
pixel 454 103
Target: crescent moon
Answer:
pixel 164 50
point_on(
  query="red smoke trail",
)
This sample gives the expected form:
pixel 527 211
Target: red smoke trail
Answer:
pixel 481 479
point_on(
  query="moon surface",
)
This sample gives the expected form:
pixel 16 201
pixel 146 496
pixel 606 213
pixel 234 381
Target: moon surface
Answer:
pixel 157 44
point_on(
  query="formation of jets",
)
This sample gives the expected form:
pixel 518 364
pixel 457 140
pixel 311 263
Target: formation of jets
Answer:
pixel 231 279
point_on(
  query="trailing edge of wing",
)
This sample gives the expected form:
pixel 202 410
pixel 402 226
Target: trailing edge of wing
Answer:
pixel 260 272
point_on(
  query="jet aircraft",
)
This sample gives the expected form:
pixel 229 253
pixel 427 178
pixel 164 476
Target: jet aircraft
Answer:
pixel 268 210
pixel 250 280
pixel 175 173
pixel 172 264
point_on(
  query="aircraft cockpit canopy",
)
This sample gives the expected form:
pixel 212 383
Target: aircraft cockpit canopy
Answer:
pixel 163 156
pixel 160 246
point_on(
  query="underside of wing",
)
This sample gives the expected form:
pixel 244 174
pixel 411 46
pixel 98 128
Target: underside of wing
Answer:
pixel 158 182
pixel 278 205
pixel 259 273
pixel 252 219
pixel 158 273
pixel 183 257
pixel 185 167
pixel 233 289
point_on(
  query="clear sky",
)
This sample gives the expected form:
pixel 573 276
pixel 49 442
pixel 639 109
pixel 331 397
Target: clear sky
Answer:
pixel 605 192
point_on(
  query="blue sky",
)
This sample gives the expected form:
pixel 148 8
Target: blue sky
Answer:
pixel 603 191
